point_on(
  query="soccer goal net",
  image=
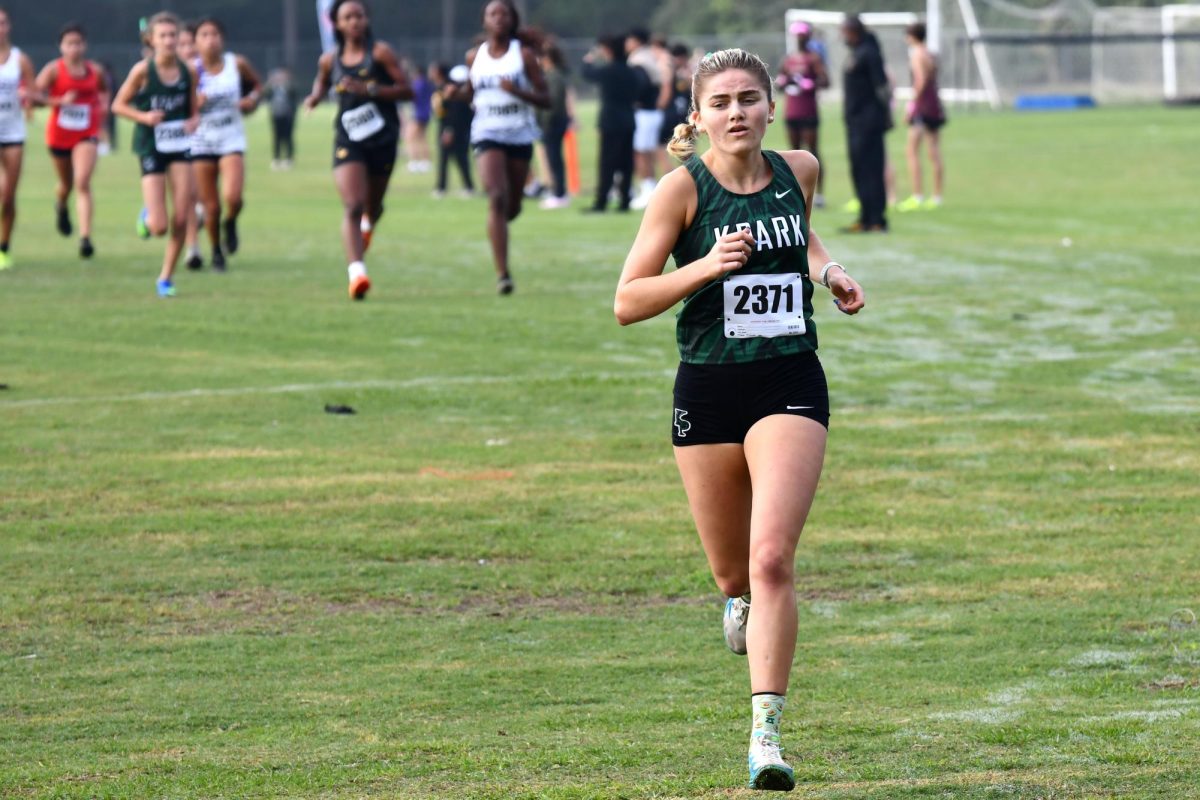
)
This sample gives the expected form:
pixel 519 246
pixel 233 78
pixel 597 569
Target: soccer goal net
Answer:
pixel 959 81
pixel 995 51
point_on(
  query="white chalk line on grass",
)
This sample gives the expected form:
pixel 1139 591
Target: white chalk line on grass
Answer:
pixel 301 388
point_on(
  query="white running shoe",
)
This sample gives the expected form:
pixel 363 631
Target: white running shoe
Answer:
pixel 737 612
pixel 768 770
pixel 640 202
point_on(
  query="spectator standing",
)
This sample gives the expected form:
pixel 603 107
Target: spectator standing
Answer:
pixel 801 75
pixel 865 106
pixel 454 126
pixel 554 122
pixel 655 85
pixel 605 66
pixel 282 98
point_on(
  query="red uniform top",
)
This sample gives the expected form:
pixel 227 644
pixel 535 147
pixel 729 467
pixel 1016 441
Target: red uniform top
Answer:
pixel 78 120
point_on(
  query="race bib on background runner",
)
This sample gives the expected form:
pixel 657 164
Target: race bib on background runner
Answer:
pixel 170 137
pixel 764 305
pixel 362 122
pixel 74 117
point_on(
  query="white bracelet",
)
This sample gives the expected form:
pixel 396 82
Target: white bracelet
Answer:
pixel 824 276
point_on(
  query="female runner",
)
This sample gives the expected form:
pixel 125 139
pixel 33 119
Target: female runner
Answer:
pixel 506 82
pixel 16 99
pixel 229 87
pixel 368 80
pixel 160 97
pixel 751 405
pixel 77 91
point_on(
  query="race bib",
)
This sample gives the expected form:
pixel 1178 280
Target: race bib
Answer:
pixel 170 137
pixel 219 122
pixel 74 117
pixel 362 122
pixel 9 108
pixel 764 305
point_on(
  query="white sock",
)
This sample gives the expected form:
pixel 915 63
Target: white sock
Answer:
pixel 648 185
pixel 364 224
pixel 357 269
pixel 920 198
pixel 768 709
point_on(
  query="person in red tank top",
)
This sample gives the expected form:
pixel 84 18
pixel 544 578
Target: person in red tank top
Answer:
pixel 77 92
pixel 800 76
pixel 925 117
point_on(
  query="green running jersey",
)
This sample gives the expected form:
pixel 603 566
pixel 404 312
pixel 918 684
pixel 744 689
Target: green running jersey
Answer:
pixel 174 101
pixel 740 317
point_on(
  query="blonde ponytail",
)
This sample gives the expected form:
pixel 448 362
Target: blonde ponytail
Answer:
pixel 683 142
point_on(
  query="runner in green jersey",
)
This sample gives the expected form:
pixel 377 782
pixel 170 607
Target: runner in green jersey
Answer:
pixel 751 405
pixel 160 97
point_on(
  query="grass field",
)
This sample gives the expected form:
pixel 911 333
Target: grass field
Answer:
pixel 485 584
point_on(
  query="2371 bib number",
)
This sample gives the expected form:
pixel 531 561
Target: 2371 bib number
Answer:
pixel 764 305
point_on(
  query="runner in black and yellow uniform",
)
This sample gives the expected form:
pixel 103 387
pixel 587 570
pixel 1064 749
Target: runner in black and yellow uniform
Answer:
pixel 160 97
pixel 368 80
pixel 751 405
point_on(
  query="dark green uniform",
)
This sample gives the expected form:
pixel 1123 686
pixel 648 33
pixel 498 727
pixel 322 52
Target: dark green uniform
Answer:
pixel 161 144
pixel 775 217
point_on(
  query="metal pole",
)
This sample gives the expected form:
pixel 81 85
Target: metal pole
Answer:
pixel 291 34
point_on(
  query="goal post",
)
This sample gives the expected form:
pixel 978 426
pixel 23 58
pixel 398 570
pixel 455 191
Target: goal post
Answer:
pixel 961 83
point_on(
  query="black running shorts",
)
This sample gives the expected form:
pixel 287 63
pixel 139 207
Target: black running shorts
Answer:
pixel 719 403
pixel 157 163
pixel 378 159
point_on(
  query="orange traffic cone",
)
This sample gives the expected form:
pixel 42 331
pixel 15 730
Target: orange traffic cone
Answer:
pixel 571 157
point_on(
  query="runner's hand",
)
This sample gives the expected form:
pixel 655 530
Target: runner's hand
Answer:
pixel 731 252
pixel 151 118
pixel 848 296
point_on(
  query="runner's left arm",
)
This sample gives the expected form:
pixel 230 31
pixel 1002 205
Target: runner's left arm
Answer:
pixel 44 82
pixel 849 296
pixel 28 92
pixel 249 77
pixel 539 94
pixel 193 120
pixel 386 58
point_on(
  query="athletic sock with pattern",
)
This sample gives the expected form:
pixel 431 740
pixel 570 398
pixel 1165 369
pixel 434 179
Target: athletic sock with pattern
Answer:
pixel 768 709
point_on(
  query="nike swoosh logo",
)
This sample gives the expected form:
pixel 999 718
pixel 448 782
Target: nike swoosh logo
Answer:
pixel 797 408
pixel 779 195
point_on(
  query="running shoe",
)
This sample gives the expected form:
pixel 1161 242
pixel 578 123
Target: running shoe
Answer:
pixel 737 612
pixel 231 236
pixel 768 770
pixel 63 220
pixel 932 204
pixel 85 248
pixel 218 259
pixel 143 229
pixel 505 285
pixel 194 260
pixel 6 261
pixel 359 287
pixel 852 206
pixel 910 203
pixel 165 288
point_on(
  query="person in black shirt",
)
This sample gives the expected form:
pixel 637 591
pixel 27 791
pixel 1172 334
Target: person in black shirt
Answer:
pixel 454 125
pixel 605 66
pixel 866 93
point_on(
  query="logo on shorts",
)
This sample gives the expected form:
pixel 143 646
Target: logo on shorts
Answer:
pixel 681 423
pixel 149 163
pixel 342 152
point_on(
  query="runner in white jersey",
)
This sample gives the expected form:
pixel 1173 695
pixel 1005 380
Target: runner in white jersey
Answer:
pixel 229 87
pixel 506 83
pixel 16 98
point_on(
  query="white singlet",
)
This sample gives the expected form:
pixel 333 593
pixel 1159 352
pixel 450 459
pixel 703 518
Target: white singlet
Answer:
pixel 12 116
pixel 221 131
pixel 499 116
